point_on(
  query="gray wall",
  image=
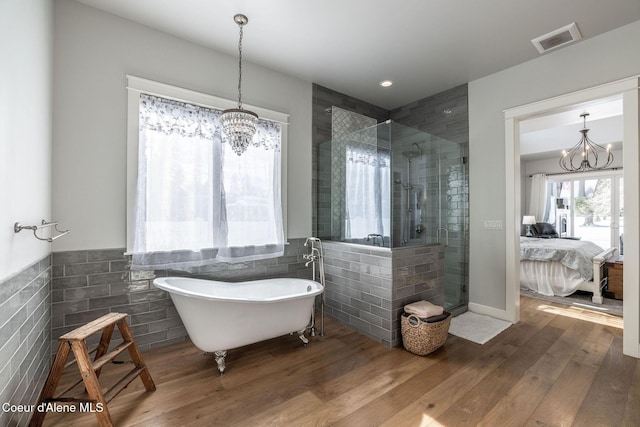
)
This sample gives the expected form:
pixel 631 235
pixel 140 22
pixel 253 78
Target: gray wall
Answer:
pixel 550 75
pixel 26 28
pixel 94 52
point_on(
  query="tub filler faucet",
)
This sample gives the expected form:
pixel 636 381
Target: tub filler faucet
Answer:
pixel 316 259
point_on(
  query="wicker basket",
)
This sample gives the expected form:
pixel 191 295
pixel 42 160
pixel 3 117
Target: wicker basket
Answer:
pixel 422 338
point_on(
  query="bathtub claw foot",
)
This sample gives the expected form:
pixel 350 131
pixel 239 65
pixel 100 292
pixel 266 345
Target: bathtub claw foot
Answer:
pixel 302 337
pixel 219 356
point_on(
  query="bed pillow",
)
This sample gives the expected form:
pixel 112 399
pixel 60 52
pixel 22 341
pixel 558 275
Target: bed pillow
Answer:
pixel 544 229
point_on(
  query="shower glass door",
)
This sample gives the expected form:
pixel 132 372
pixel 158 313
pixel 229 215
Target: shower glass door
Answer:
pixel 430 203
pixel 452 219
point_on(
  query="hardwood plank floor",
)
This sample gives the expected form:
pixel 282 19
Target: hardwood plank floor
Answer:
pixel 559 366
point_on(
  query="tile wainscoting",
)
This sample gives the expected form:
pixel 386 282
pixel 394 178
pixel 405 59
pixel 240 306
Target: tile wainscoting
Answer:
pixel 25 336
pixel 88 284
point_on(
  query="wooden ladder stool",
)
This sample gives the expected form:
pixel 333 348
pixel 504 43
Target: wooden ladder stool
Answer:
pixel 90 370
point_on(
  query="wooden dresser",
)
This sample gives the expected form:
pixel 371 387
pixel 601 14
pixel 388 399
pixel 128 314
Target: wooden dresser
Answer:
pixel 614 268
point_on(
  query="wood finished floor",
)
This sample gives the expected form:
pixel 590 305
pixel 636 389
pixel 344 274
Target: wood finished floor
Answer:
pixel 559 366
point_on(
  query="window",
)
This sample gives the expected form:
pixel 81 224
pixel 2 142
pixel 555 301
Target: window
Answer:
pixel 367 191
pixel 590 207
pixel 191 200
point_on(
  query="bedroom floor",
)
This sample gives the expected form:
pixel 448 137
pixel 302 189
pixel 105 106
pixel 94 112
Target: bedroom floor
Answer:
pixel 559 366
pixel 580 299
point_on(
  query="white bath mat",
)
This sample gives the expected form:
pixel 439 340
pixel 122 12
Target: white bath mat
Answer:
pixel 476 327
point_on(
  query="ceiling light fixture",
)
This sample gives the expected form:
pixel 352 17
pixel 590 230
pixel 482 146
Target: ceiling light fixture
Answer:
pixel 238 124
pixel 385 83
pixel 586 154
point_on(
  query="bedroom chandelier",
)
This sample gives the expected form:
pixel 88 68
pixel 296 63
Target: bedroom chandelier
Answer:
pixel 586 154
pixel 238 124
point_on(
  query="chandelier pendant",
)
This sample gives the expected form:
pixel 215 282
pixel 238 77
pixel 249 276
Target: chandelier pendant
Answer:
pixel 586 155
pixel 239 125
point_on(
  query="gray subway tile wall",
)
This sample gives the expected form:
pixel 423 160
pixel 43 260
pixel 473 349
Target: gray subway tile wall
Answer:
pixel 323 100
pixel 25 319
pixel 359 288
pixel 368 287
pixel 90 283
pixel 417 272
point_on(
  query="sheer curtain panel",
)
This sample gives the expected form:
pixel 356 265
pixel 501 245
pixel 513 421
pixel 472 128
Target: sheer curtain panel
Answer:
pixel 367 191
pixel 197 202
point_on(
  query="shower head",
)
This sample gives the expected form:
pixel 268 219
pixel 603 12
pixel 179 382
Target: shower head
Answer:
pixel 410 154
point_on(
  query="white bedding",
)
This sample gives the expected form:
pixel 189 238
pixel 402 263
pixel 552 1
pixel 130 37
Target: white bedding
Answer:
pixel 550 278
pixel 574 254
pixel 552 267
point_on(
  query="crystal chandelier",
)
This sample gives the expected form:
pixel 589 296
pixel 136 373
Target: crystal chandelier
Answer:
pixel 238 124
pixel 586 154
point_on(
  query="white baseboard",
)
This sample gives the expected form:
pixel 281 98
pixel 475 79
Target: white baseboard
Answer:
pixel 488 311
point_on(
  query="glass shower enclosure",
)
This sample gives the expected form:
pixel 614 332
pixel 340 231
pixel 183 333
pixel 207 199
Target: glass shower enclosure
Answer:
pixel 394 186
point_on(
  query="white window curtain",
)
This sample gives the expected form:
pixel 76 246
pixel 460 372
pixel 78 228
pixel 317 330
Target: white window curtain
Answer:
pixel 367 194
pixel 538 199
pixel 197 202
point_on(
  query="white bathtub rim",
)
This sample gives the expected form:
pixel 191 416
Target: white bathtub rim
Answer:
pixel 163 284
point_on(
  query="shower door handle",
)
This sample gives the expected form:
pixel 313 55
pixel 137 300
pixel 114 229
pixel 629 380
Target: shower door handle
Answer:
pixel 446 235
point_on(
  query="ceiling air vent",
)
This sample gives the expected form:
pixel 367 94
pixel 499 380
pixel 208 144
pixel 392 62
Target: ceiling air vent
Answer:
pixel 557 38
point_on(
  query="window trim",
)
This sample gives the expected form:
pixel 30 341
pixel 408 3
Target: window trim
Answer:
pixel 136 86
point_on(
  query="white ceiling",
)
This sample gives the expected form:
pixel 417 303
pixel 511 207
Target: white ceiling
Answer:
pixel 423 46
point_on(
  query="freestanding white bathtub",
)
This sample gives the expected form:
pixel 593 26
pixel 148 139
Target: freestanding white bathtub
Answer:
pixel 219 316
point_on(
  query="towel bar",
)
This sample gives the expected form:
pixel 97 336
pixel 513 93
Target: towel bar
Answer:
pixel 17 227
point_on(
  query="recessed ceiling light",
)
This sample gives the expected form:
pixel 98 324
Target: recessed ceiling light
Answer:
pixel 385 83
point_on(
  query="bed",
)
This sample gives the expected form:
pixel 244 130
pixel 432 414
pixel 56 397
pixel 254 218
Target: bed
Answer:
pixel 561 266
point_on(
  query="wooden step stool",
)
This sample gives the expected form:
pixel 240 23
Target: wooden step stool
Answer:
pixel 90 371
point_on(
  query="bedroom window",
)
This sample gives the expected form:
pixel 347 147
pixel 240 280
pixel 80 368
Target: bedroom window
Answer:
pixel 590 208
pixel 191 200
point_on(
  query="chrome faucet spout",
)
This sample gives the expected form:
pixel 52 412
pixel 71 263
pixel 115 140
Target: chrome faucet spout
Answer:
pixel 311 240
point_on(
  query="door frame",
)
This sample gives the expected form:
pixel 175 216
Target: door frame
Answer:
pixel 629 89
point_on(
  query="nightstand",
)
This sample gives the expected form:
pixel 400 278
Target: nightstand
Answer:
pixel 614 269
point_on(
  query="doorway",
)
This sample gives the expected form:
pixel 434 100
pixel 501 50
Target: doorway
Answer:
pixel 628 89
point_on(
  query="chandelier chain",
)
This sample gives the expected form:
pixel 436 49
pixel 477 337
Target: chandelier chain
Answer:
pixel 240 68
pixel 239 125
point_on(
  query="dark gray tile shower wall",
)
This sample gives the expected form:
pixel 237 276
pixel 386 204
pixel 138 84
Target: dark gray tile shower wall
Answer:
pixel 25 331
pixel 89 284
pixel 444 115
pixel 323 99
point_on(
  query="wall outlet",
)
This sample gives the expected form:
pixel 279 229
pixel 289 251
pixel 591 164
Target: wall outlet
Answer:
pixel 493 224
